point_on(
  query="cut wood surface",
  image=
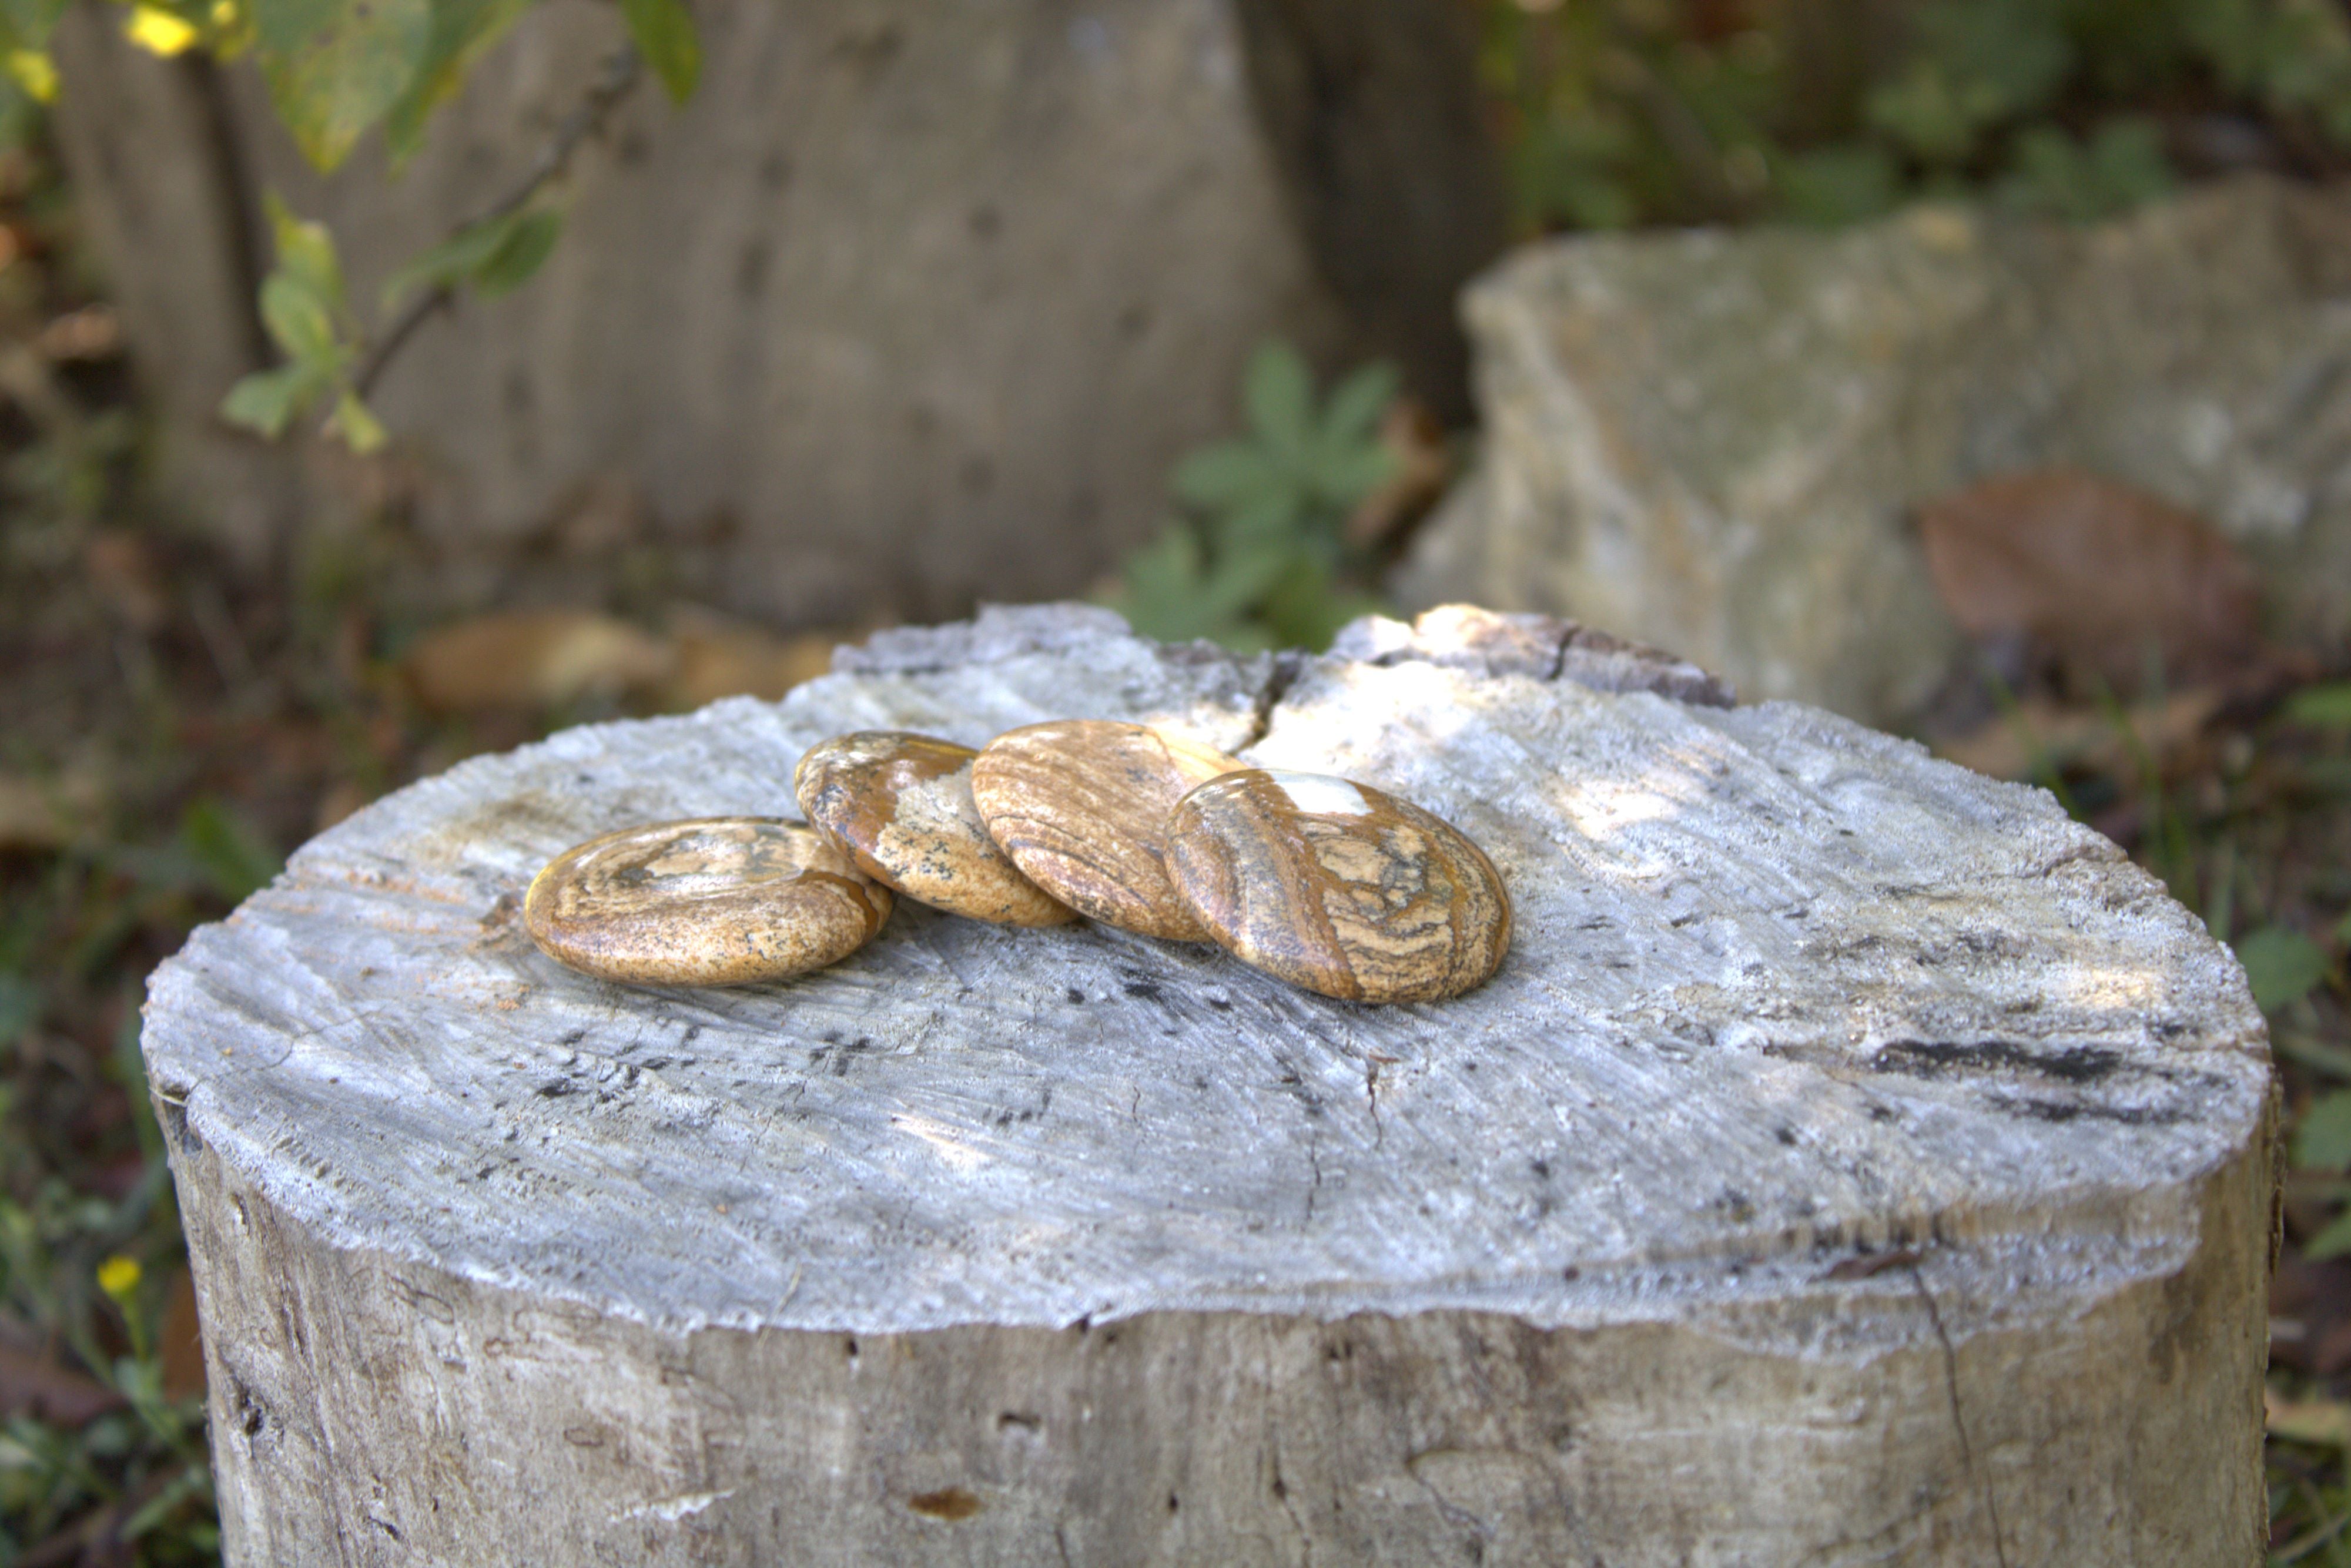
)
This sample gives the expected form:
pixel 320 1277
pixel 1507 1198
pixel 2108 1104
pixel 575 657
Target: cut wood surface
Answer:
pixel 1855 1160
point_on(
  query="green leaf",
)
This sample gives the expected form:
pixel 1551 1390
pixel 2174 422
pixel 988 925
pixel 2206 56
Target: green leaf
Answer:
pixel 1343 477
pixel 346 72
pixel 28 23
pixel 190 1483
pixel 356 424
pixel 282 26
pixel 1239 580
pixel 1353 415
pixel 1835 185
pixel 2281 964
pixel 495 256
pixel 306 252
pixel 236 860
pixel 2121 167
pixel 448 263
pixel 1159 588
pixel 665 35
pixel 299 322
pixel 1933 118
pixel 1169 592
pixel 1279 395
pixel 20 1008
pixel 268 401
pixel 1230 474
pixel 526 246
pixel 1306 609
pixel 1277 518
pixel 462 31
pixel 2325 707
pixel 2323 1139
pixel 2331 1242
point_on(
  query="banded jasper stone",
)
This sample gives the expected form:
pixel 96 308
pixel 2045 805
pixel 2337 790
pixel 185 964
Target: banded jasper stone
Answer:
pixel 1080 805
pixel 900 806
pixel 1338 887
pixel 721 901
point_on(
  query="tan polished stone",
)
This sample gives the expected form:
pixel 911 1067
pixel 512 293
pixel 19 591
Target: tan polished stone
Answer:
pixel 1080 805
pixel 721 901
pixel 900 806
pixel 1338 887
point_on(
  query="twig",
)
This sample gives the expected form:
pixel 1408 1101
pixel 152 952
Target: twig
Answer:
pixel 611 87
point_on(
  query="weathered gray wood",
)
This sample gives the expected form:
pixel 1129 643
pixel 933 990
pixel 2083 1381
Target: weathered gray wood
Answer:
pixel 1855 1162
pixel 910 302
pixel 157 184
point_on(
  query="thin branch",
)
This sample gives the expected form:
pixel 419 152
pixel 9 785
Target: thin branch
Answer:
pixel 611 87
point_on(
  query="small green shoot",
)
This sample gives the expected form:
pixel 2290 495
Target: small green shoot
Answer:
pixel 1261 559
pixel 2283 965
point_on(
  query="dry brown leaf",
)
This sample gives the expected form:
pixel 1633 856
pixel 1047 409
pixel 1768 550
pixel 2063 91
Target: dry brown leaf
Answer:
pixel 33 1384
pixel 92 332
pixel 179 1342
pixel 1424 462
pixel 2322 1421
pixel 720 657
pixel 2094 573
pixel 2042 733
pixel 42 814
pixel 122 570
pixel 533 658
pixel 339 800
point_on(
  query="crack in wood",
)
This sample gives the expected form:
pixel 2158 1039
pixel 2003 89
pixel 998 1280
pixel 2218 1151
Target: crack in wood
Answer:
pixel 1959 1422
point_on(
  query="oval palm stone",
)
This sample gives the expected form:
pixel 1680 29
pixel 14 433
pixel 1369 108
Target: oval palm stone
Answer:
pixel 1338 887
pixel 721 901
pixel 1080 805
pixel 900 806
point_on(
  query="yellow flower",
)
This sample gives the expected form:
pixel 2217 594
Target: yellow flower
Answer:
pixel 158 30
pixel 119 1276
pixel 35 72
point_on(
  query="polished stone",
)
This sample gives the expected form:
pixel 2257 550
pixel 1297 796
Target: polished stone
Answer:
pixel 900 806
pixel 1338 887
pixel 1082 805
pixel 721 901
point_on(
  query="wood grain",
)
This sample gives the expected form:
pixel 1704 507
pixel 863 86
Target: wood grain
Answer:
pixel 1855 1162
pixel 718 900
pixel 1082 806
pixel 1338 887
pixel 900 806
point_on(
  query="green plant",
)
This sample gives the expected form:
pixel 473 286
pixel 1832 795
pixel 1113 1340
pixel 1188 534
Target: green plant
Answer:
pixel 336 70
pixel 124 1461
pixel 1621 112
pixel 1261 558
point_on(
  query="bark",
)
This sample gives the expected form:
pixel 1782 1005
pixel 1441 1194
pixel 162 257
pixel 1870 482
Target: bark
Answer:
pixel 1388 164
pixel 1853 1161
pixel 160 183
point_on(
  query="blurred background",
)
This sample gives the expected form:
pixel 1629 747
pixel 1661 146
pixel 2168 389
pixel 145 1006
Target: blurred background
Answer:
pixel 382 381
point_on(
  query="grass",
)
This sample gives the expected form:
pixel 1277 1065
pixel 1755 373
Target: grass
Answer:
pixel 2249 824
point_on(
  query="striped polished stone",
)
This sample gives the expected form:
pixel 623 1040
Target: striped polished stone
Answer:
pixel 720 900
pixel 1338 887
pixel 900 806
pixel 1082 805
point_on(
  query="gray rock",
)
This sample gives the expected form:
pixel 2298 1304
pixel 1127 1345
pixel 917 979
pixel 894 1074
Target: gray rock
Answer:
pixel 1713 440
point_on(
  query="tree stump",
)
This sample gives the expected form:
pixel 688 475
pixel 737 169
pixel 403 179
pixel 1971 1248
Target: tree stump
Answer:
pixel 1853 1161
